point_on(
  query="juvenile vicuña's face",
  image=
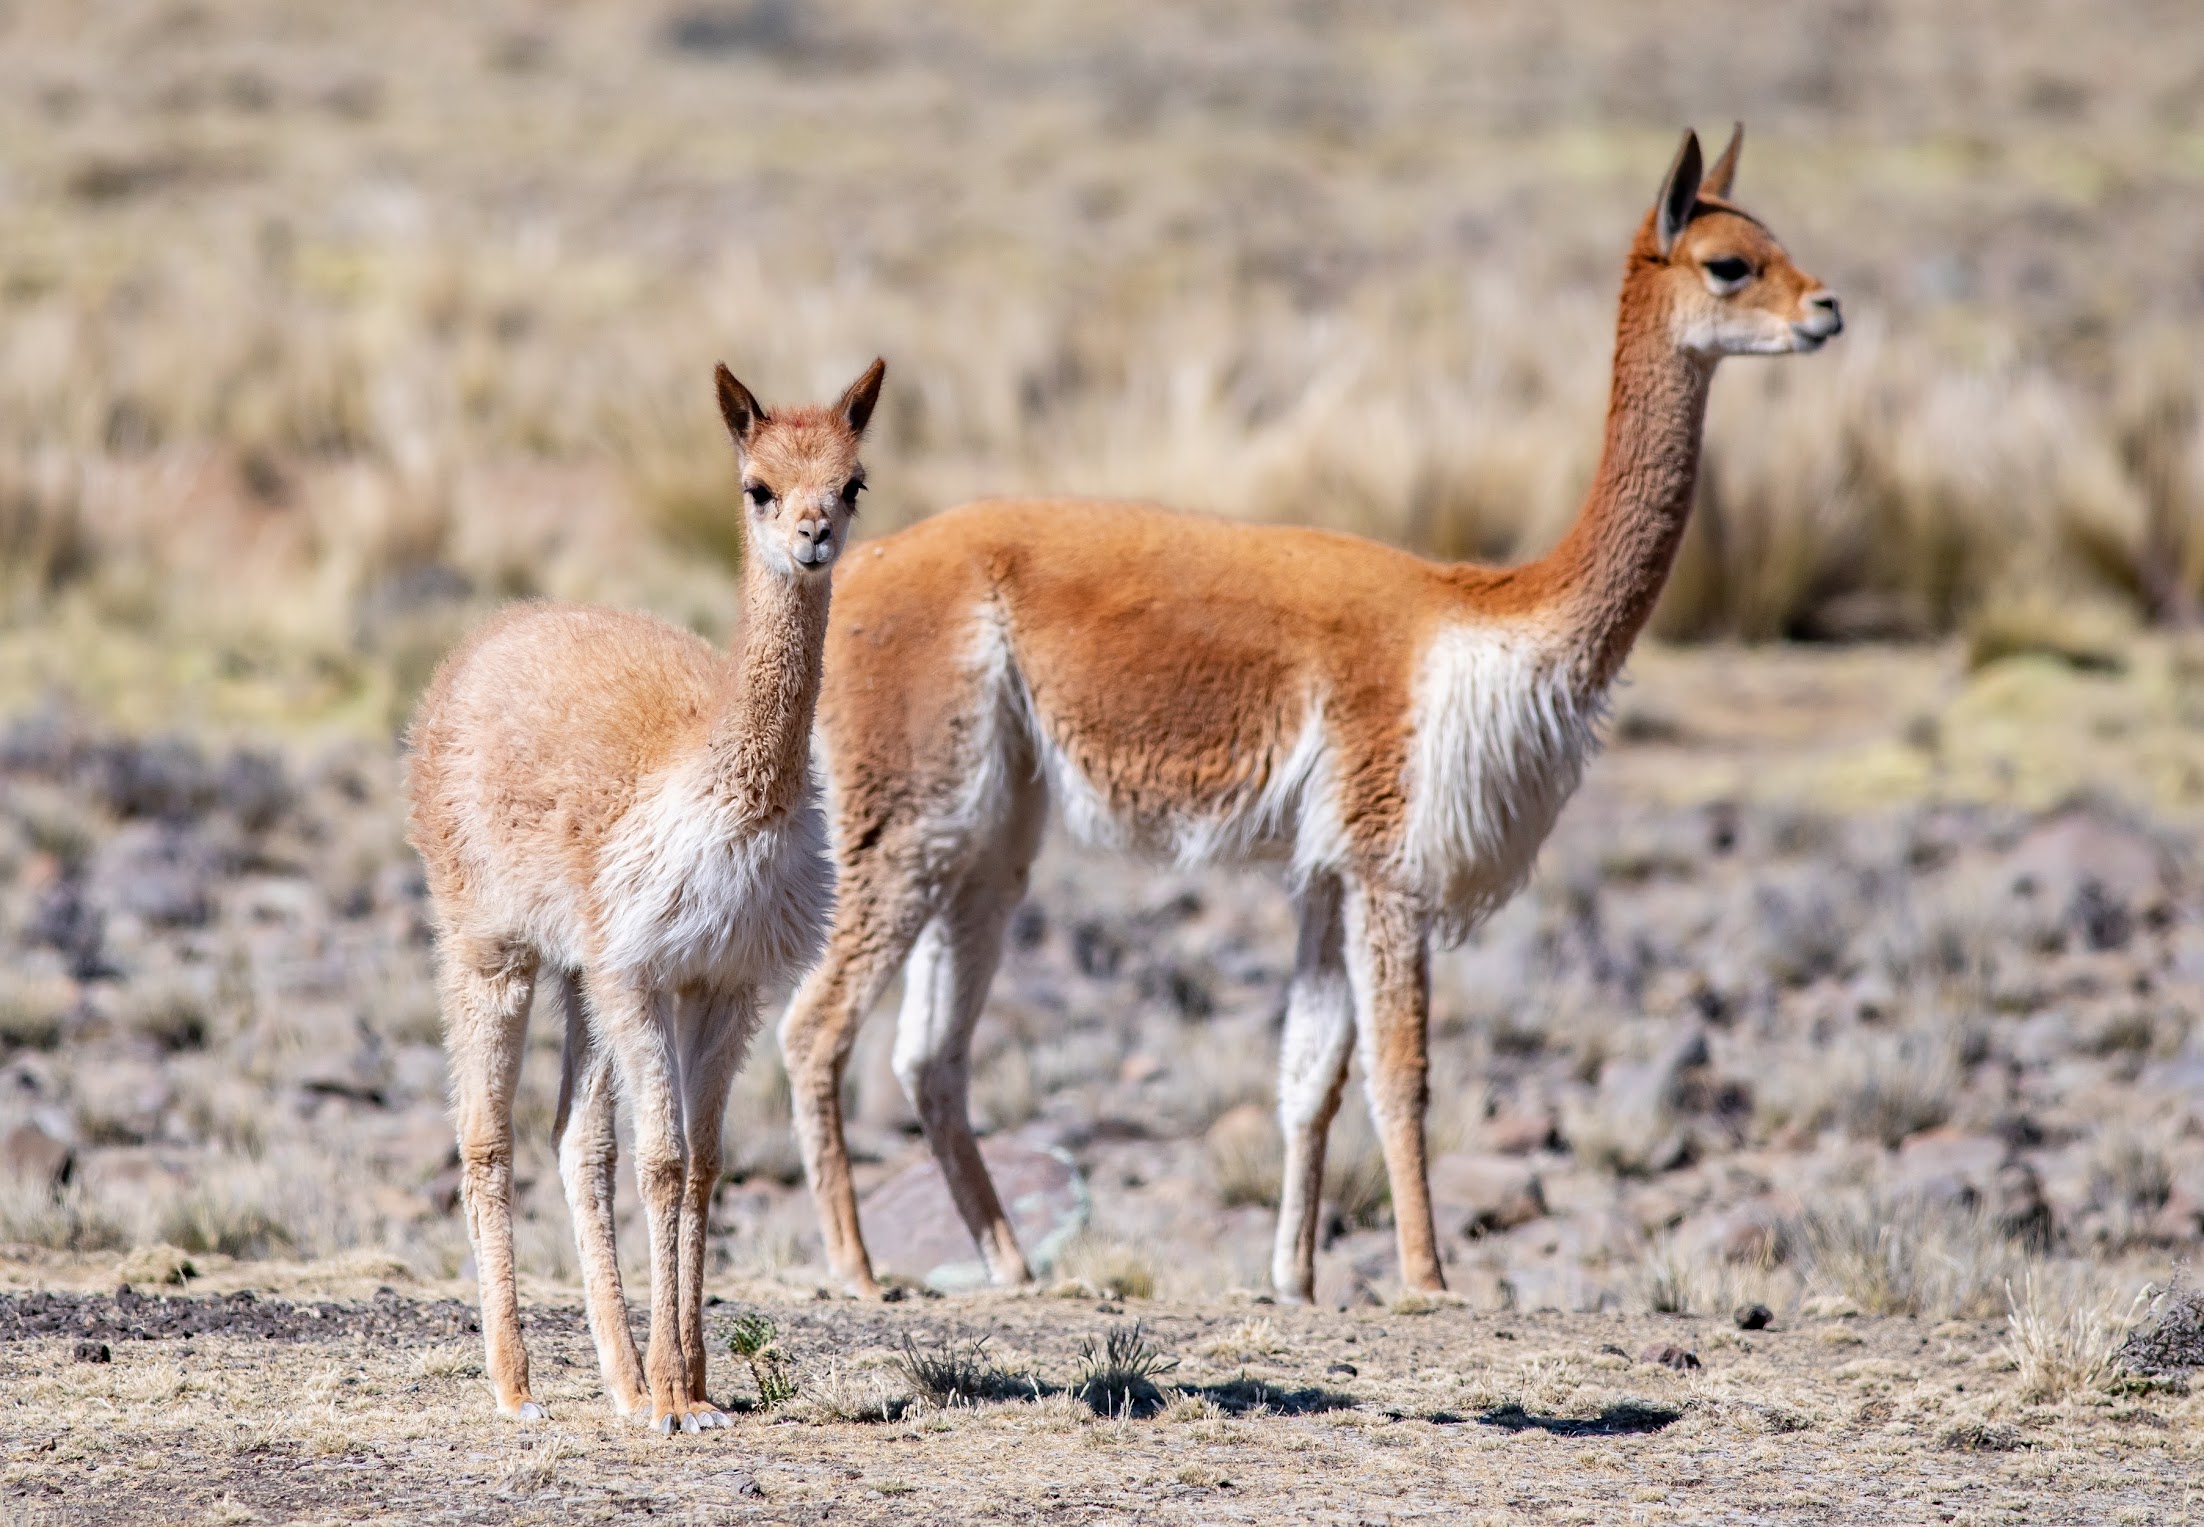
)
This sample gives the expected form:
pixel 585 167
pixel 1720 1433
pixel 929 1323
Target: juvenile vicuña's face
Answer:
pixel 800 481
pixel 1735 292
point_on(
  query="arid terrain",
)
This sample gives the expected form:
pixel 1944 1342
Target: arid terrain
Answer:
pixel 1914 1068
pixel 1862 983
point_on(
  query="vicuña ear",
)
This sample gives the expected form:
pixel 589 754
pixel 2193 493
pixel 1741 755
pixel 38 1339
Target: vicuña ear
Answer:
pixel 742 412
pixel 1678 193
pixel 1723 171
pixel 856 405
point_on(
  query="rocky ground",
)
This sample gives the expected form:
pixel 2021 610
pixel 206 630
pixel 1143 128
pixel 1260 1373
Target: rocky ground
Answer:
pixel 1855 985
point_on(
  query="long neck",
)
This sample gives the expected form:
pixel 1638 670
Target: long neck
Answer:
pixel 1612 563
pixel 760 742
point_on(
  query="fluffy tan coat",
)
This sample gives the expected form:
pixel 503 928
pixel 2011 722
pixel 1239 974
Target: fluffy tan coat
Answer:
pixel 1398 734
pixel 603 800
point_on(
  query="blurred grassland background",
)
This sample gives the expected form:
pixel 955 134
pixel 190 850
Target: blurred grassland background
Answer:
pixel 323 325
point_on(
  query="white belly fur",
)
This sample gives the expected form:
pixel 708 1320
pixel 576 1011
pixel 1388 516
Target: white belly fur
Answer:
pixel 687 897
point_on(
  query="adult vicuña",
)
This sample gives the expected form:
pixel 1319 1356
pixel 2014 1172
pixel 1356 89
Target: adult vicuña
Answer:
pixel 605 802
pixel 1401 734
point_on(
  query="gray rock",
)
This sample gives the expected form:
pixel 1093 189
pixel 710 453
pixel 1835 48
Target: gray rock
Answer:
pixel 912 1226
pixel 30 1156
pixel 1477 1195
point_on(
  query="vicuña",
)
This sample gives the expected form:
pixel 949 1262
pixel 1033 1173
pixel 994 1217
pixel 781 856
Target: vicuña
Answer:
pixel 607 806
pixel 1398 734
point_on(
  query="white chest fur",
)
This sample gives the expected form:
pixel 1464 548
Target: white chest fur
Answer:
pixel 687 895
pixel 1500 735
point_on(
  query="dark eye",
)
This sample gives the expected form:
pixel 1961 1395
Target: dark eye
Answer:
pixel 850 490
pixel 1729 270
pixel 759 494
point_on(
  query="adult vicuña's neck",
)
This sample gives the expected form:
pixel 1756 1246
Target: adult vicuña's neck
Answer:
pixel 1608 571
pixel 761 738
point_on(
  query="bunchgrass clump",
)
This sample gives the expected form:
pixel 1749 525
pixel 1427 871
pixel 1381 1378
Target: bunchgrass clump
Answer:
pixel 2062 1340
pixel 1906 1255
pixel 756 1340
pixel 1117 1377
pixel 958 1373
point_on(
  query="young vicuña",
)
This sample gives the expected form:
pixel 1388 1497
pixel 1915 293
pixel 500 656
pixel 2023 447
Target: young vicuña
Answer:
pixel 1399 734
pixel 605 803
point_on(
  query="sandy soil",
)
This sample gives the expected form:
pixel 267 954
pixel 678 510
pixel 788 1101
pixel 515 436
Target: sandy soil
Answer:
pixel 348 1410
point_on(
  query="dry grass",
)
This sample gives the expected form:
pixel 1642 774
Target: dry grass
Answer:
pixel 2064 1337
pixel 1907 1255
pixel 327 309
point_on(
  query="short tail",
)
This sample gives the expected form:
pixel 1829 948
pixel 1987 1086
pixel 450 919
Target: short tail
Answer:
pixel 568 986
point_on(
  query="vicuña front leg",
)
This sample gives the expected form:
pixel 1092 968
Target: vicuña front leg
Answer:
pixel 486 990
pixel 1312 1075
pixel 588 1160
pixel 637 1024
pixel 714 1031
pixel 1389 964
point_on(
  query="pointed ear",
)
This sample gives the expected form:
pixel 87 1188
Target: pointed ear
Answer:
pixel 1723 171
pixel 742 412
pixel 856 405
pixel 1678 193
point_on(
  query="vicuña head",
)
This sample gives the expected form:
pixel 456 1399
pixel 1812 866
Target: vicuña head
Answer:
pixel 800 473
pixel 1729 288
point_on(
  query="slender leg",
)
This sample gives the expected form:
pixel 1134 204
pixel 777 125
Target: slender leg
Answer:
pixel 487 986
pixel 880 910
pixel 944 989
pixel 1388 961
pixel 715 1033
pixel 588 1155
pixel 636 1023
pixel 1312 1076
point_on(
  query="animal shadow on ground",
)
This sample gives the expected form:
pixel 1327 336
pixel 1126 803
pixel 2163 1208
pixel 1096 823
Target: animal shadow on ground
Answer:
pixel 1624 1419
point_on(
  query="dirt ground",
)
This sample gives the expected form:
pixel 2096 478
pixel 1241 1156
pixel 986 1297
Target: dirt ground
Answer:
pixel 358 1405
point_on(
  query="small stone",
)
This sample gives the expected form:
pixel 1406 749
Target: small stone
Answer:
pixel 1755 1317
pixel 93 1352
pixel 1669 1355
pixel 1341 1371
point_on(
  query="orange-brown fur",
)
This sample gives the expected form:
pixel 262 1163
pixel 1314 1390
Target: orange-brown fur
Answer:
pixel 1169 679
pixel 603 800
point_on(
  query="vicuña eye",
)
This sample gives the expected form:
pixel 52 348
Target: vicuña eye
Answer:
pixel 850 490
pixel 1729 270
pixel 759 494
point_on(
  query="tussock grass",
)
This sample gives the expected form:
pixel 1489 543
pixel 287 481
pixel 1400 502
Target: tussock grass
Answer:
pixel 2062 1337
pixel 954 1372
pixel 257 396
pixel 1906 1255
pixel 1117 1375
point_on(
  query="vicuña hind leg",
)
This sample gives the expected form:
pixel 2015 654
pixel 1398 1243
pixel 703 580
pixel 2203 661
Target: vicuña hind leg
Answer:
pixel 944 988
pixel 1312 1075
pixel 588 1159
pixel 1388 961
pixel 879 913
pixel 487 985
